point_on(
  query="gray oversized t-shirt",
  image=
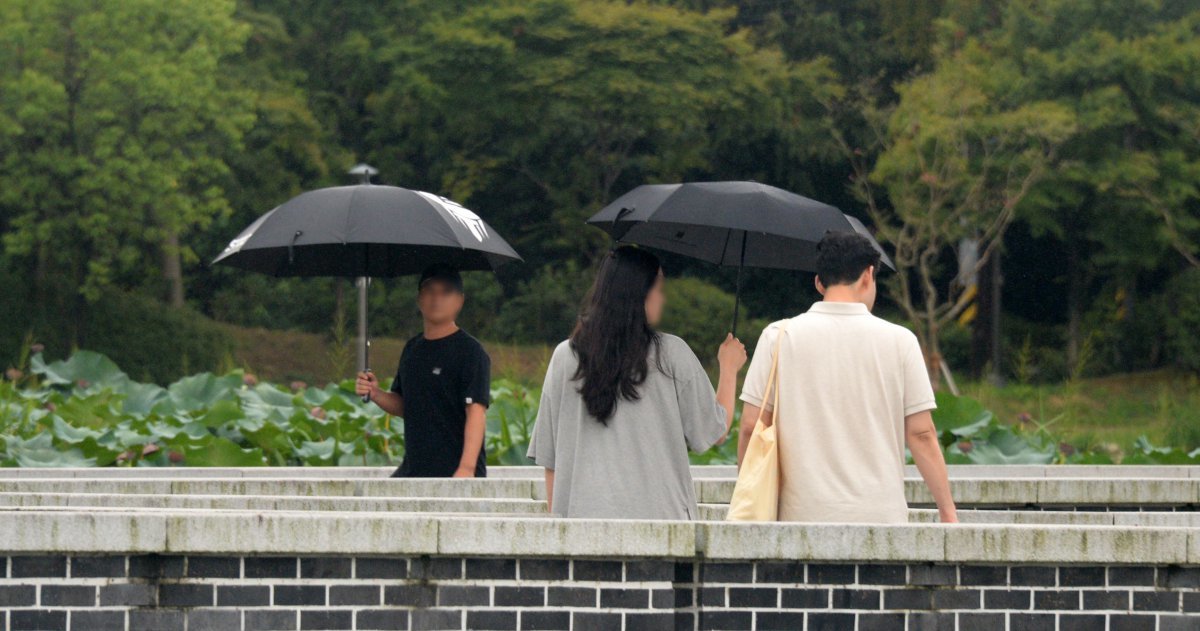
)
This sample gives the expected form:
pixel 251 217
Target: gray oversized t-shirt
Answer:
pixel 636 467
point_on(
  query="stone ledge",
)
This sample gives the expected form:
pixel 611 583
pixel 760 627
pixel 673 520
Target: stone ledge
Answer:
pixel 950 543
pixel 570 537
pixel 1070 544
pixel 247 532
pixel 729 541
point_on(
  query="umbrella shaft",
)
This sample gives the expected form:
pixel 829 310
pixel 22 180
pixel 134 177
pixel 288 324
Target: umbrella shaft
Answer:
pixel 363 343
pixel 737 292
pixel 737 302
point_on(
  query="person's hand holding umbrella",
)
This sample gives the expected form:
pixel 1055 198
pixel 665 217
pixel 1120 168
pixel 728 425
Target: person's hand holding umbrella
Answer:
pixel 367 386
pixel 731 356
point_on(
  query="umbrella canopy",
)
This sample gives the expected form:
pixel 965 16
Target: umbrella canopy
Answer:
pixel 861 229
pixel 746 224
pixel 728 223
pixel 366 230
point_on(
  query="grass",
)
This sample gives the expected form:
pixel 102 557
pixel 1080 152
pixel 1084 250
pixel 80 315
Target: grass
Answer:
pixel 285 356
pixel 1164 405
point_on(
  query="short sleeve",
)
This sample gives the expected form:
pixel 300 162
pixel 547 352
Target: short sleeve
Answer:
pixel 918 391
pixel 541 441
pixel 755 385
pixel 398 382
pixel 702 417
pixel 477 378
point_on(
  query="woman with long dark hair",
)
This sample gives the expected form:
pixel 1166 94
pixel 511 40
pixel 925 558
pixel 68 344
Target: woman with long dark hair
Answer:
pixel 623 403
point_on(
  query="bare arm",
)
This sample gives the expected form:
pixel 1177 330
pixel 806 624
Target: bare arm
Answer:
pixel 921 436
pixel 726 390
pixel 387 401
pixel 730 357
pixel 472 440
pixel 749 414
pixel 549 490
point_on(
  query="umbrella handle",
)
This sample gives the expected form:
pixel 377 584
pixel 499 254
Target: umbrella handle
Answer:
pixel 366 398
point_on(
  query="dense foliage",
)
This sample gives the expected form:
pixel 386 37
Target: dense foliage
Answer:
pixel 138 136
pixel 85 412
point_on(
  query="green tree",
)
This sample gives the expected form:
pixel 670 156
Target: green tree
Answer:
pixel 955 158
pixel 538 112
pixel 1123 199
pixel 117 117
pixel 287 150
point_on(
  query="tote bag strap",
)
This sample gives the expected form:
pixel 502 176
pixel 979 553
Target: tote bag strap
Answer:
pixel 772 380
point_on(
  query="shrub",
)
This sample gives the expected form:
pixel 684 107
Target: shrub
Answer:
pixel 701 314
pixel 154 342
pixel 545 308
pixel 257 300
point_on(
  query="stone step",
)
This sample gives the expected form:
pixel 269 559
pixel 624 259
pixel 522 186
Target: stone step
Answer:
pixel 1169 519
pixel 698 471
pixel 518 507
pixel 1162 493
pixel 514 488
pixel 1175 493
pixel 275 503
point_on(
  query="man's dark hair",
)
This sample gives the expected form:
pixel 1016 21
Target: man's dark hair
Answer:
pixel 843 256
pixel 442 272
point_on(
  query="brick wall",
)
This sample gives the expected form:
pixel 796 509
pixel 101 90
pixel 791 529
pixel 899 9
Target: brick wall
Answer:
pixel 198 593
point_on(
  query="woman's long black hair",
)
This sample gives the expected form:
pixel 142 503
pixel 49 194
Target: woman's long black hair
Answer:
pixel 612 338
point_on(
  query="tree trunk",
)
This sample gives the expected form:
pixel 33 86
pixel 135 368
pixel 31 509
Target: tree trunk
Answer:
pixel 933 353
pixel 982 352
pixel 996 279
pixel 173 270
pixel 1074 302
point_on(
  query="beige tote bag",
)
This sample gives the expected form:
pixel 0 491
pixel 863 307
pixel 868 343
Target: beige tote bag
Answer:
pixel 756 494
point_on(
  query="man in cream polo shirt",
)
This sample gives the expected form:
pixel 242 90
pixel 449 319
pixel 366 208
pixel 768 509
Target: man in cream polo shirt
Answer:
pixel 853 391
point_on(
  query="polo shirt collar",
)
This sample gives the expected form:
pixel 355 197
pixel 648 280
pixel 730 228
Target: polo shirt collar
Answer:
pixel 839 308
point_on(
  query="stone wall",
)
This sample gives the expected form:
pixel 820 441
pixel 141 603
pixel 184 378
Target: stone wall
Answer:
pixel 82 550
pixel 198 593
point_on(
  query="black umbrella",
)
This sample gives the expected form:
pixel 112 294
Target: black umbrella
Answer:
pixel 746 224
pixel 366 231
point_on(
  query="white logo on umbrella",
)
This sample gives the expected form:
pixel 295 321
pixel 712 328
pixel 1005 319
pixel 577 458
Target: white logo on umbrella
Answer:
pixel 237 243
pixel 467 218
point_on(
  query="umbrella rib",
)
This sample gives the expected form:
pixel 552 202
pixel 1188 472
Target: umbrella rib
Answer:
pixel 662 203
pixel 349 212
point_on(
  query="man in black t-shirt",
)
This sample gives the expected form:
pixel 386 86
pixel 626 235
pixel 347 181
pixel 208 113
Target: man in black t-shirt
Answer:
pixel 442 387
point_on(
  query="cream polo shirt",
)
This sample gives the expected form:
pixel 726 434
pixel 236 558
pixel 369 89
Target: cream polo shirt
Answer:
pixel 847 381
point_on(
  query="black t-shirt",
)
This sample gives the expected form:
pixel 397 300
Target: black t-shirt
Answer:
pixel 438 379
